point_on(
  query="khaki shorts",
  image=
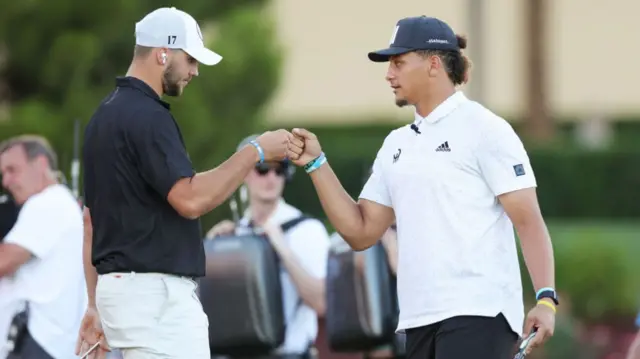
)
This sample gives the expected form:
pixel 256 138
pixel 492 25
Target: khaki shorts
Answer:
pixel 152 315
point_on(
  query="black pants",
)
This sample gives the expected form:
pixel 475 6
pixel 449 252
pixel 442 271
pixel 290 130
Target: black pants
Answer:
pixel 30 350
pixel 464 337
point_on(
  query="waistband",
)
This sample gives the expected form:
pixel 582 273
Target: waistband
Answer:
pixel 144 275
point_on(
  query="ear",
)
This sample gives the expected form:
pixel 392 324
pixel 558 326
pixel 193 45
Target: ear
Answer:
pixel 435 64
pixel 42 162
pixel 162 56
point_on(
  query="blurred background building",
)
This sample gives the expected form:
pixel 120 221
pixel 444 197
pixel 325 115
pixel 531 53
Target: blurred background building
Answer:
pixel 586 65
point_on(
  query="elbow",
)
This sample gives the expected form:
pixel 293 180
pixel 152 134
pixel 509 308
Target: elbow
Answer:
pixel 189 211
pixel 6 269
pixel 359 242
pixel 185 200
pixel 190 208
pixel 358 234
pixel 361 247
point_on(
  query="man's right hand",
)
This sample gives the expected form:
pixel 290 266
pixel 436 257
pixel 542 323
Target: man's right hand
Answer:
pixel 91 333
pixel 301 155
pixel 275 144
pixel 223 228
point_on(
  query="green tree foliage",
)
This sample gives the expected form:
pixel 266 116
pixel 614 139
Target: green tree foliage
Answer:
pixel 58 59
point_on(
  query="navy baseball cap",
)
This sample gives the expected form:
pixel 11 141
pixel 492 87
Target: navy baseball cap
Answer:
pixel 417 33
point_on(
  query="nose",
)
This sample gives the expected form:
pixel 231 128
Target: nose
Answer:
pixel 194 70
pixel 390 74
pixel 272 174
pixel 6 179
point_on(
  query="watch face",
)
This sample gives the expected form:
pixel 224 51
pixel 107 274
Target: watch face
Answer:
pixel 549 294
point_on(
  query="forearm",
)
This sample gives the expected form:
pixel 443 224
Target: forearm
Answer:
pixel 90 274
pixel 392 253
pixel 5 263
pixel 310 288
pixel 343 212
pixel 538 253
pixel 211 188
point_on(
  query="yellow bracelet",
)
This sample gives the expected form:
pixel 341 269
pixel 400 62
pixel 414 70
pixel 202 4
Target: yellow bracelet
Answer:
pixel 544 302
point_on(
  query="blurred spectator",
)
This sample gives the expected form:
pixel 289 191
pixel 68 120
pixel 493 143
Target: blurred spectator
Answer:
pixel 8 217
pixel 41 256
pixel 303 250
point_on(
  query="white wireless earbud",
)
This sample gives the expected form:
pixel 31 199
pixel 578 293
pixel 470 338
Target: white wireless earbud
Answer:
pixel 164 58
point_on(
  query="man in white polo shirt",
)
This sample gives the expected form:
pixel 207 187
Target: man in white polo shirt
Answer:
pixel 41 256
pixel 457 180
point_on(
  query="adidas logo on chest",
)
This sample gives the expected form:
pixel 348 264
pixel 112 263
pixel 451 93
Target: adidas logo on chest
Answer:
pixel 443 147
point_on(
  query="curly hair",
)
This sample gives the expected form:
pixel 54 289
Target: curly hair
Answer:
pixel 455 63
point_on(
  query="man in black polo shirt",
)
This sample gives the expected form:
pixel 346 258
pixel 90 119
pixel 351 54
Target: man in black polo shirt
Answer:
pixel 143 201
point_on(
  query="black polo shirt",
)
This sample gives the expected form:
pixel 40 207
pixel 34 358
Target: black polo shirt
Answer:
pixel 133 154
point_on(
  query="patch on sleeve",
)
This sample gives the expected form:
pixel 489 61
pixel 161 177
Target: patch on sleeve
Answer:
pixel 519 170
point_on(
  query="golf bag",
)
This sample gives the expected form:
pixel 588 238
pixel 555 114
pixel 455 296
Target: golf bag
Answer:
pixel 241 294
pixel 361 305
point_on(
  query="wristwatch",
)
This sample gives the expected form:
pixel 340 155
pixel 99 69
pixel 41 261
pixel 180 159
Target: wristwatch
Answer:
pixel 547 293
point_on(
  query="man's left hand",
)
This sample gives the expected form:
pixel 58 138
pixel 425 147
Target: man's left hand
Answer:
pixel 543 318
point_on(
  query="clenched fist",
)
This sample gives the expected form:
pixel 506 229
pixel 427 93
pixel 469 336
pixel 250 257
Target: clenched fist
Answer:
pixel 304 147
pixel 275 144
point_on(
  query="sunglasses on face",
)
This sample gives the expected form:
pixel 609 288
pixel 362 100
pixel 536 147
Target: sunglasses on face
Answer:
pixel 263 169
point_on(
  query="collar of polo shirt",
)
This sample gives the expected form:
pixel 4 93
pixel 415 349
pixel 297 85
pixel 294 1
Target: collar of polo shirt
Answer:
pixel 443 110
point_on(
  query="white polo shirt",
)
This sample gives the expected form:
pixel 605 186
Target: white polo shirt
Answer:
pixel 309 242
pixel 456 245
pixel 50 227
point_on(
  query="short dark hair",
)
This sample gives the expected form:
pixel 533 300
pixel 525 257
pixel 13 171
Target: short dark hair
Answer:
pixel 455 62
pixel 33 146
pixel 141 51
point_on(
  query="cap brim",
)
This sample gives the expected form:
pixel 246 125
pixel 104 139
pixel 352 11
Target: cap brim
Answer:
pixel 204 56
pixel 385 54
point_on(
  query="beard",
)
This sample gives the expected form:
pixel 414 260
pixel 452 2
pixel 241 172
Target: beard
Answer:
pixel 171 82
pixel 402 102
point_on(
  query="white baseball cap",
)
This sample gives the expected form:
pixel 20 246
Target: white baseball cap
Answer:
pixel 174 29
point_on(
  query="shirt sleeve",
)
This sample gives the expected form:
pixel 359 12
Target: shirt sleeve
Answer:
pixel 40 226
pixel 160 151
pixel 310 243
pixel 375 189
pixel 638 321
pixel 504 162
